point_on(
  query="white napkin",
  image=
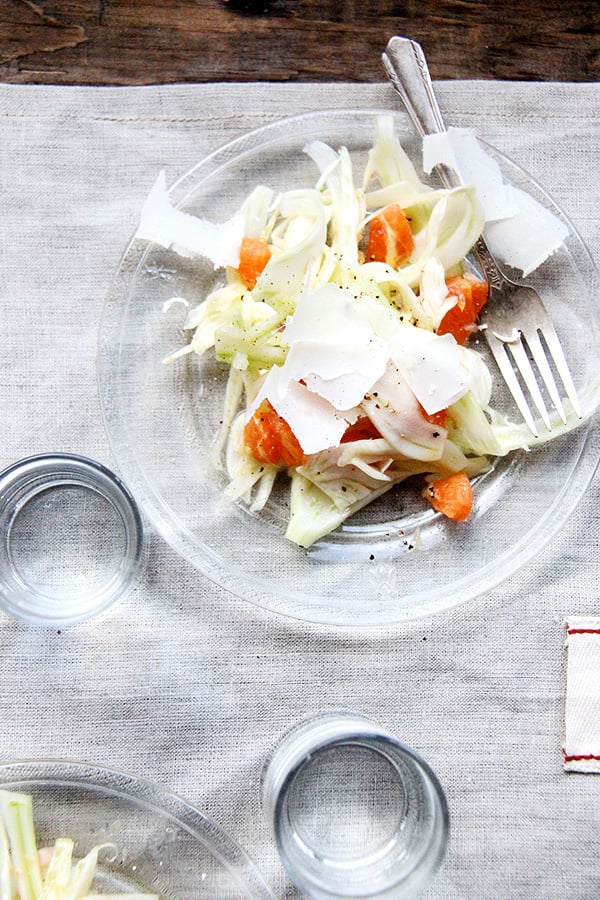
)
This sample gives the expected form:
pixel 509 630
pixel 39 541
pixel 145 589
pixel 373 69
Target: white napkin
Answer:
pixel 581 751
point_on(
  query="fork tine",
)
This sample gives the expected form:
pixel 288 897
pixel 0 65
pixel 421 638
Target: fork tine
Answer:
pixel 541 361
pixel 500 353
pixel 526 371
pixel 555 348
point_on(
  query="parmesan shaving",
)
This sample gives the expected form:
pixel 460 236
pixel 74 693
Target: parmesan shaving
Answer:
pixel 527 239
pixel 519 230
pixel 164 224
pixel 459 149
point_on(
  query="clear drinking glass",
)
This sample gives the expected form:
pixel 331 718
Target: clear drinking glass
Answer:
pixel 71 539
pixel 354 812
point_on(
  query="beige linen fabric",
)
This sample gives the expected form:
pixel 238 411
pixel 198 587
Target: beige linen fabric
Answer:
pixel 186 685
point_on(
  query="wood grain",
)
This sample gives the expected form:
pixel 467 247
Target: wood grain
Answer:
pixel 26 29
pixel 141 42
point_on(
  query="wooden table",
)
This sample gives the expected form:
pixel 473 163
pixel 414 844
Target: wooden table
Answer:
pixel 124 42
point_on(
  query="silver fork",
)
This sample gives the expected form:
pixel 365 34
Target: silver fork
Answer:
pixel 514 321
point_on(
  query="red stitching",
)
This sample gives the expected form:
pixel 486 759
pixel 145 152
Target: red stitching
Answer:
pixel 583 631
pixel 583 756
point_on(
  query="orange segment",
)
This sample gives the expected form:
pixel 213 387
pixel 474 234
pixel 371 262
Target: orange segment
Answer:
pixel 390 237
pixel 270 439
pixel 439 418
pixel 452 496
pixel 472 296
pixel 361 430
pixel 255 253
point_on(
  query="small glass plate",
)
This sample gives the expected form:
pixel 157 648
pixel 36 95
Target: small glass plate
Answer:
pixel 396 559
pixel 154 841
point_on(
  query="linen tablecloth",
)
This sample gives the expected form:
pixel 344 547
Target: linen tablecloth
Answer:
pixel 183 683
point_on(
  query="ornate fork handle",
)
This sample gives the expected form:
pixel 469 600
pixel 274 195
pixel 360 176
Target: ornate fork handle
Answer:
pixel 489 265
pixel 416 90
pixel 415 87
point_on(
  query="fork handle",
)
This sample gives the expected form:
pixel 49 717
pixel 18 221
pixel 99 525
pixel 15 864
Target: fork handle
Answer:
pixel 406 66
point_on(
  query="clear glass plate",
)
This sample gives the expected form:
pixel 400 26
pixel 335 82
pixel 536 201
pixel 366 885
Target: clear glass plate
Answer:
pixel 161 844
pixel 394 561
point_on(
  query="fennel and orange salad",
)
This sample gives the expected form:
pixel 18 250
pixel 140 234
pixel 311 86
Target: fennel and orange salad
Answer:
pixel 345 317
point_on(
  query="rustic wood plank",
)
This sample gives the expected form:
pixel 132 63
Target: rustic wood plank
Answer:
pixel 25 29
pixel 144 42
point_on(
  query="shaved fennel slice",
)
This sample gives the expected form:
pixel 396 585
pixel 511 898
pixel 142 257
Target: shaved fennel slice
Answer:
pixel 346 202
pixel 388 162
pixel 218 310
pixel 259 212
pixel 344 472
pixel 455 224
pixel 349 486
pixel 85 869
pixel 7 873
pixel 284 276
pixel 49 873
pixel 434 300
pixel 57 878
pixel 452 227
pixel 16 811
pixel 380 281
pixel 471 428
pixel 312 513
pixel 394 411
pixel 404 193
pixel 245 473
pixel 233 396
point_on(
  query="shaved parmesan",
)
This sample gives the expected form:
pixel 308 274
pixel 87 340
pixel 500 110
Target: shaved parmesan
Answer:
pixel 431 364
pixel 333 347
pixel 313 420
pixel 519 230
pixel 459 149
pixel 188 235
pixel 528 238
pixel 334 358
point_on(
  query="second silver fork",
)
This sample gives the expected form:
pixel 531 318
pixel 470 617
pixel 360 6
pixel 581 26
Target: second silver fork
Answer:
pixel 516 325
